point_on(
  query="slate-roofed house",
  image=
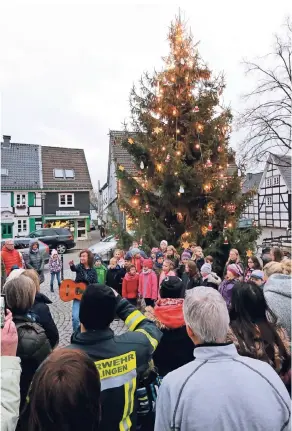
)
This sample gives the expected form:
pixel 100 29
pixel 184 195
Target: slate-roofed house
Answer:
pixel 67 185
pixel 21 183
pixel 118 156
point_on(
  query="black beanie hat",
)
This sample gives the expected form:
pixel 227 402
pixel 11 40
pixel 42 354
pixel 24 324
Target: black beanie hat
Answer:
pixel 97 307
pixel 171 287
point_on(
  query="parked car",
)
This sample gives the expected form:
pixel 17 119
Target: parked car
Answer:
pixel 58 238
pixel 22 244
pixel 92 225
pixel 105 248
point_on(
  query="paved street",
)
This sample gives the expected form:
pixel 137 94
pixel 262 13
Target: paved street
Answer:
pixel 61 311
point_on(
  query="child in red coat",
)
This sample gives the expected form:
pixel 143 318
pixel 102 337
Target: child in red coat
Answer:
pixel 131 285
pixel 148 285
pixel 137 260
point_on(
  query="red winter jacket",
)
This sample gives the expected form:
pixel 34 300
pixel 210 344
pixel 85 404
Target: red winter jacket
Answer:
pixel 138 263
pixel 130 286
pixel 152 285
pixel 10 258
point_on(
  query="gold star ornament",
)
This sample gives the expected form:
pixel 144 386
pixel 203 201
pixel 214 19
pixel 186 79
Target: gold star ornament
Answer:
pixel 249 253
pixel 185 245
pixel 157 130
pixel 131 141
pixel 121 168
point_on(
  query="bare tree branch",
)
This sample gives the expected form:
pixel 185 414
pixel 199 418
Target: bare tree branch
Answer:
pixel 267 121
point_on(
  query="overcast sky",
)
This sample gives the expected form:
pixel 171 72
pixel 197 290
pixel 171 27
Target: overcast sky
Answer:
pixel 66 70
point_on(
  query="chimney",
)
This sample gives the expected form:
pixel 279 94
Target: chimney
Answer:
pixel 6 141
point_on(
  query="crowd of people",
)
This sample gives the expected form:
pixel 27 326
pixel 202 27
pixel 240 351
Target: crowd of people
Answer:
pixel 202 351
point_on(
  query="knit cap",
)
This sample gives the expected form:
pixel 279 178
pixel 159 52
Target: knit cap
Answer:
pixel 164 242
pixel 258 274
pixel 158 255
pixel 234 269
pixel 186 255
pixel 171 287
pixel 206 268
pixel 148 263
pixel 134 251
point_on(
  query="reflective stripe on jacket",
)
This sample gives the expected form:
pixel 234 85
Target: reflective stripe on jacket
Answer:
pixel 121 360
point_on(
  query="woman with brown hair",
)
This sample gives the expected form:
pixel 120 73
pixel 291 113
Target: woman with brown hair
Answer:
pixel 33 344
pixel 252 264
pixel 41 309
pixel 85 273
pixel 64 394
pixel 254 329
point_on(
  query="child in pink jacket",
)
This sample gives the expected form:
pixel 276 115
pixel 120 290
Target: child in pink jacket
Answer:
pixel 148 283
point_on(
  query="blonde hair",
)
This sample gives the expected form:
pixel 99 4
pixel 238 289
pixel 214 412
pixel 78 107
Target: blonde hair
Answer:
pixel 33 275
pixel 171 247
pixel 113 260
pixel 20 294
pixel 197 248
pixel 286 266
pixel 273 268
pixel 120 251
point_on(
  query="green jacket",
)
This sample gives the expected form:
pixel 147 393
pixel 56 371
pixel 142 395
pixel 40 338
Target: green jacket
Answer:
pixel 101 274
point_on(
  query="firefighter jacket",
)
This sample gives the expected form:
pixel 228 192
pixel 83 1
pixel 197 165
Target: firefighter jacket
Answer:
pixel 121 360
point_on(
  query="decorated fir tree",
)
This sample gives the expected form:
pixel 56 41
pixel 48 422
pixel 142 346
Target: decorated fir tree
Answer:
pixel 187 187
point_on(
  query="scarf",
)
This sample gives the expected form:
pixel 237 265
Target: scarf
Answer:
pixel 169 311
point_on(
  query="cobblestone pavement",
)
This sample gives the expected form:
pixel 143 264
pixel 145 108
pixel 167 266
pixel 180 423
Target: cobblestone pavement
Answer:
pixel 61 311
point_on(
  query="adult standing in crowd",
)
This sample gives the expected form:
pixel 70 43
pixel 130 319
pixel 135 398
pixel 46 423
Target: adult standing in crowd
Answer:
pixel 253 263
pixel 41 309
pixel 122 360
pixel 254 332
pixel 36 260
pixel 277 291
pixel 192 396
pixel 276 254
pixel 10 375
pixel 85 273
pixel 175 348
pixel 10 257
pixel 33 344
pixel 234 258
pixel 64 394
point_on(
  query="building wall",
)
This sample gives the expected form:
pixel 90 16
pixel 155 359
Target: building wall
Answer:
pixel 81 202
pixel 113 183
pixel 274 200
pixel 22 210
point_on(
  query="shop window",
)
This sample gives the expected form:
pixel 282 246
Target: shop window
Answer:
pixel 20 199
pixel 21 226
pixel 66 200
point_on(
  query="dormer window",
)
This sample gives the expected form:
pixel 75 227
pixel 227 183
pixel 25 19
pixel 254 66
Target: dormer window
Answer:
pixel 64 174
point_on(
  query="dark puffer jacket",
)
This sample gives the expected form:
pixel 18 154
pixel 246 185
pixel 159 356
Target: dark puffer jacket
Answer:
pixel 175 348
pixel 41 309
pixel 33 348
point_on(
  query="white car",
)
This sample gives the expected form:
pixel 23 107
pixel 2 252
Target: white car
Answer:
pixel 105 248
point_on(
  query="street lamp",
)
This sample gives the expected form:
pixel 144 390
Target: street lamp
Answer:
pixel 43 197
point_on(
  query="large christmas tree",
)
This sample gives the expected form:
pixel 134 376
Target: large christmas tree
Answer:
pixel 187 187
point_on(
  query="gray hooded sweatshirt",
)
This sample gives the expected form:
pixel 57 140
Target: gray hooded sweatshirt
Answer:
pixel 222 391
pixel 277 291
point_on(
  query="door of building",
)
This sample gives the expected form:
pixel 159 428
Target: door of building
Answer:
pixel 6 229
